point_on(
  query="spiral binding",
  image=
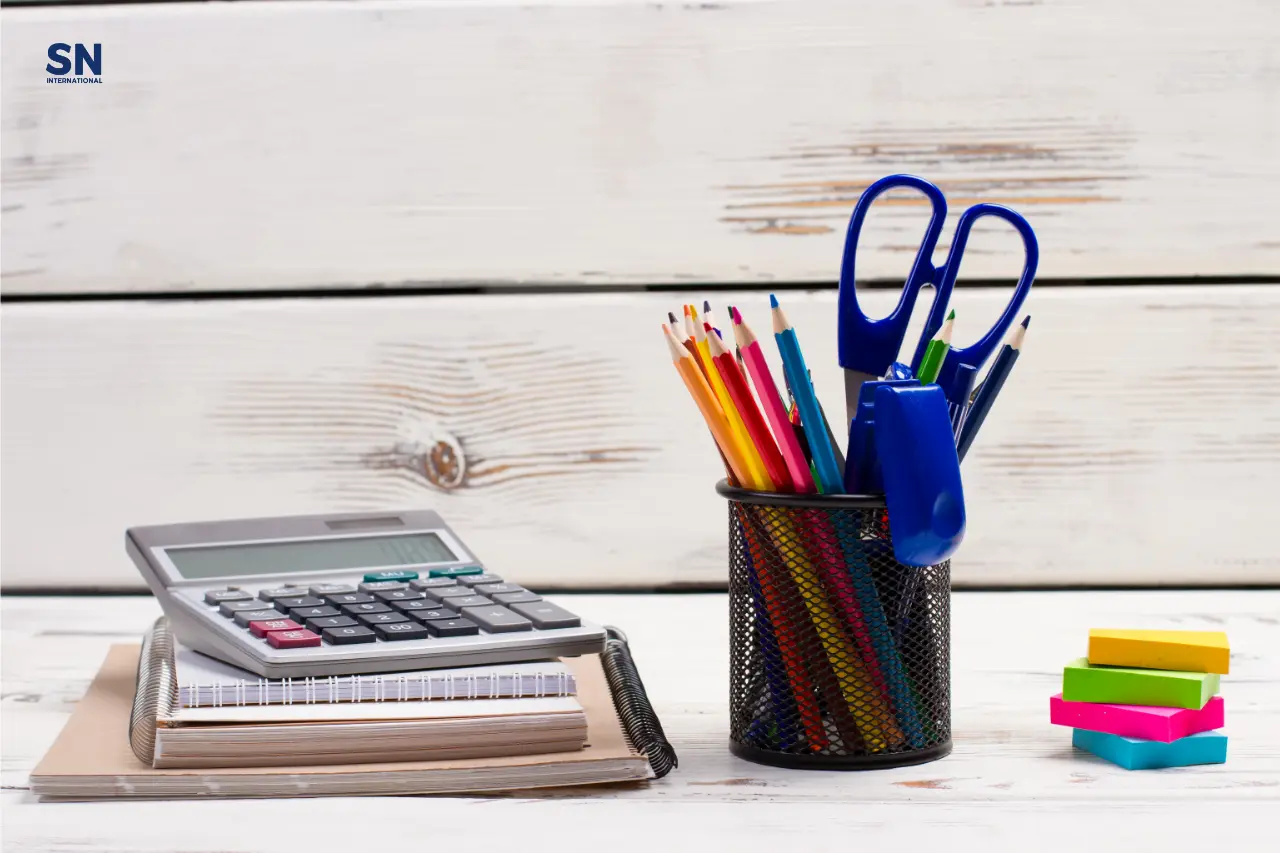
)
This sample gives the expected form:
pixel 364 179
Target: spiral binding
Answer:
pixel 638 718
pixel 157 691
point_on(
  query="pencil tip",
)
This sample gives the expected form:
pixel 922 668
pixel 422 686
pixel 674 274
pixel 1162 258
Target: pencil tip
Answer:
pixel 773 301
pixel 737 315
pixel 671 316
pixel 1026 321
pixel 706 306
pixel 952 315
pixel 686 310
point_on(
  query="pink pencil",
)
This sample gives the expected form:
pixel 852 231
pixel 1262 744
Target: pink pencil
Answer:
pixel 758 369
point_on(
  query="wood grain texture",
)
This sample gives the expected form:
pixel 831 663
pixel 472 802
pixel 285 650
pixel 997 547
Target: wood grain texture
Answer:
pixel 1137 441
pixel 381 144
pixel 1012 783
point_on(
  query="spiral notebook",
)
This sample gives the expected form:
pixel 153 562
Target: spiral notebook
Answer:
pixel 203 682
pixel 624 742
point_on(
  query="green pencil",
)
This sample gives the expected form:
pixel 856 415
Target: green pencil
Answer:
pixel 936 351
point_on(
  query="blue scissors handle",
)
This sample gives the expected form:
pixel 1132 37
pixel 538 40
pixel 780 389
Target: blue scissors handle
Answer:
pixel 871 346
pixel 976 354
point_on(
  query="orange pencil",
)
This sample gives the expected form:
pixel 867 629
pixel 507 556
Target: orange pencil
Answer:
pixel 736 384
pixel 707 405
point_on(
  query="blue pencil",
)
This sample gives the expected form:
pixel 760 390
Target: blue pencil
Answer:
pixel 824 457
pixel 991 386
pixel 785 716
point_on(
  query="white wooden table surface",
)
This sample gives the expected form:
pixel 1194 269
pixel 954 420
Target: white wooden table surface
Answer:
pixel 1013 781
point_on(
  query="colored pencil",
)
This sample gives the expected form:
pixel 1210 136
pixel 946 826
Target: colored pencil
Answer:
pixel 937 350
pixel 962 386
pixel 991 386
pixel 767 391
pixel 810 415
pixel 757 478
pixel 757 429
pixel 707 404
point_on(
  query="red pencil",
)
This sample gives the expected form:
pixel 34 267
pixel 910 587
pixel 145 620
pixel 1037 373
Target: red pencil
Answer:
pixel 736 384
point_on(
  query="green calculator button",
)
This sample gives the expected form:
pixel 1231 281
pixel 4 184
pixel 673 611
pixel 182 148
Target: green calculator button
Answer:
pixel 458 572
pixel 370 577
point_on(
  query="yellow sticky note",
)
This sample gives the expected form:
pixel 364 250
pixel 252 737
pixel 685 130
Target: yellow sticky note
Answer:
pixel 1185 651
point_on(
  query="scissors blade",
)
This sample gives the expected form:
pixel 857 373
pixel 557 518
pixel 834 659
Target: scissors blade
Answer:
pixel 853 380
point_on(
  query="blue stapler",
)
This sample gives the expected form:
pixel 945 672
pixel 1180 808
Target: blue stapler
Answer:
pixel 916 450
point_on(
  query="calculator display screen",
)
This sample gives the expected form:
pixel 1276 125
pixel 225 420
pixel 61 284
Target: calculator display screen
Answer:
pixel 310 555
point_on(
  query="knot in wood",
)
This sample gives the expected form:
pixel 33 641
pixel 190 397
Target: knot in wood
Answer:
pixel 443 463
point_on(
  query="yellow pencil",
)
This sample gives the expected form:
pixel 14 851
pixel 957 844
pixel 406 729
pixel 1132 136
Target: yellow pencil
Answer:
pixel 758 480
pixel 707 404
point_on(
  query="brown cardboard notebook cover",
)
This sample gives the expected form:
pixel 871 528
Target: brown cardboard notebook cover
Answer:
pixel 91 758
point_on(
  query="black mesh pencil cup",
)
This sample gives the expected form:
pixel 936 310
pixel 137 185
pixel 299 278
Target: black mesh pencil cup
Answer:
pixel 839 654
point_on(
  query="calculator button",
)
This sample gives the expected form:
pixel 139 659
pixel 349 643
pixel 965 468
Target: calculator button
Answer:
pixel 287 591
pixel 546 615
pixel 497 620
pixel 284 605
pixel 522 597
pixel 348 635
pixel 466 601
pixel 264 627
pixel 299 639
pixel 320 590
pixel 451 628
pixel 217 596
pixel 382 618
pixel 244 617
pixel 483 577
pixel 382 586
pixel 349 598
pixel 231 608
pixel 370 577
pixel 435 615
pixel 305 614
pixel 419 609
pixel 430 583
pixel 440 593
pixel 367 607
pixel 456 572
pixel 493 588
pixel 401 631
pixel 395 595
pixel 318 625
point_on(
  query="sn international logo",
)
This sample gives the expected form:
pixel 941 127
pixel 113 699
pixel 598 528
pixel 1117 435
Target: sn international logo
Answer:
pixel 61 63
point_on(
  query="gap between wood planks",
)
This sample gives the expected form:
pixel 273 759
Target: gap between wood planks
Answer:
pixel 534 288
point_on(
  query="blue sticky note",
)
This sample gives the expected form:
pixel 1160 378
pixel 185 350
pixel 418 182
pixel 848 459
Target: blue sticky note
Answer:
pixel 1132 753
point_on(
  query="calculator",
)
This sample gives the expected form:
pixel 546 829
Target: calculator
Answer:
pixel 345 594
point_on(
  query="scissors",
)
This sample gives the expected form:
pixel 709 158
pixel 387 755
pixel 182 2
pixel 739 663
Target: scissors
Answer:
pixel 869 347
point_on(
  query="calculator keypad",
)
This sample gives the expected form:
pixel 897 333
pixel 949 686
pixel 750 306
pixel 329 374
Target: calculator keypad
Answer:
pixel 384 608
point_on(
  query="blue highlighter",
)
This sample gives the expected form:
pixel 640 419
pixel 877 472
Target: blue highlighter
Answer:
pixel 916 449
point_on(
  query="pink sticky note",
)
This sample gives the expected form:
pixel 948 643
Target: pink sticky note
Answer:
pixel 1137 721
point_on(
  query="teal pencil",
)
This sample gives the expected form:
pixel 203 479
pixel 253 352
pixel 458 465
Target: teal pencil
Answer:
pixel 824 457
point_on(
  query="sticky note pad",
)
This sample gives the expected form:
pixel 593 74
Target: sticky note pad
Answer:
pixel 1135 754
pixel 1123 686
pixel 1140 721
pixel 1185 651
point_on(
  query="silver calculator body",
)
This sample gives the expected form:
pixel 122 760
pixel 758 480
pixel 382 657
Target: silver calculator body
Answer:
pixel 206 573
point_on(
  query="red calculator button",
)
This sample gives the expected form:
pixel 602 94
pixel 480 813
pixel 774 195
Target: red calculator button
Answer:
pixel 297 639
pixel 266 626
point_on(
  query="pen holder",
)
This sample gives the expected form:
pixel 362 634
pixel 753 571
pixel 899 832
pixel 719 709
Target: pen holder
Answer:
pixel 839 654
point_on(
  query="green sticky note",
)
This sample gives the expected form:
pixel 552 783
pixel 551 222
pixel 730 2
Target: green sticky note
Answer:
pixel 1124 686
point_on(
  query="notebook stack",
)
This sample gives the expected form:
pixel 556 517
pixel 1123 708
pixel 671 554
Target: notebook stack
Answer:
pixel 1146 699
pixel 179 724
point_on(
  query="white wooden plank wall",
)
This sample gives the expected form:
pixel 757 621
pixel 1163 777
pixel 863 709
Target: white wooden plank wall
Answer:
pixel 350 144
pixel 1138 440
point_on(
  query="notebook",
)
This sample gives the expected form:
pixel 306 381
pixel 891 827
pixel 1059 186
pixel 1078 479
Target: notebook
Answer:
pixel 204 682
pixel 625 743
